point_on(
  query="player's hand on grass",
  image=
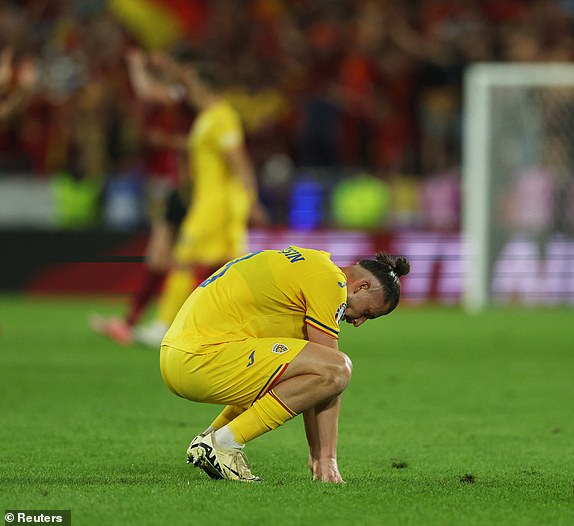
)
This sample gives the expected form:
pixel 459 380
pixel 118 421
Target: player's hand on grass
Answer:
pixel 326 470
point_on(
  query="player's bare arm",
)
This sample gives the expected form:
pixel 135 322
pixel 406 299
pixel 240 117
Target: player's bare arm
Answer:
pixel 311 385
pixel 322 425
pixel 322 430
pixel 148 87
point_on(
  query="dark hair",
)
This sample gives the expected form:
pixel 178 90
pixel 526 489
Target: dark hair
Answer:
pixel 388 269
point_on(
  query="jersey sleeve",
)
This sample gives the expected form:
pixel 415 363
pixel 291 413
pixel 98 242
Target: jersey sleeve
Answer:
pixel 326 299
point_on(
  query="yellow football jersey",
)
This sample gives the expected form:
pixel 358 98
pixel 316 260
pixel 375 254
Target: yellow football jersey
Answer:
pixel 270 293
pixel 215 227
pixel 215 131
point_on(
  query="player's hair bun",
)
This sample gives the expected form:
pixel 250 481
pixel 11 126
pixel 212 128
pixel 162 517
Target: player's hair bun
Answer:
pixel 397 264
pixel 401 266
pixel 388 269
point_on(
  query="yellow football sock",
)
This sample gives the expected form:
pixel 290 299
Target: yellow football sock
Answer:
pixel 265 414
pixel 178 286
pixel 227 415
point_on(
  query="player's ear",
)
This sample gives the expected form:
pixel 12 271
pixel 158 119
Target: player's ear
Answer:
pixel 364 284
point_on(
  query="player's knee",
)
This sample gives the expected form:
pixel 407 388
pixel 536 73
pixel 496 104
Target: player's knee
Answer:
pixel 346 369
pixel 338 373
pixel 349 364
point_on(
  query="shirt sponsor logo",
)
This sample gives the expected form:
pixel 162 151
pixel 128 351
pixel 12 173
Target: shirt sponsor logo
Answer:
pixel 340 312
pixel 279 348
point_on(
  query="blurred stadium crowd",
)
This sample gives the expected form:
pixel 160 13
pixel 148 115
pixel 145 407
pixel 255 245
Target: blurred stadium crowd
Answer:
pixel 342 100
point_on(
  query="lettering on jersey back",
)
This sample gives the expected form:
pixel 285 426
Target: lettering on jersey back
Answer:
pixel 292 254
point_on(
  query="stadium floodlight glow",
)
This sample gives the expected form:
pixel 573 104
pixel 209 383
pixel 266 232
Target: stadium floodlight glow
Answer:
pixel 517 132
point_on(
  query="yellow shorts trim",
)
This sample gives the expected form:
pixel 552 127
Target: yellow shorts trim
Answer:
pixel 233 373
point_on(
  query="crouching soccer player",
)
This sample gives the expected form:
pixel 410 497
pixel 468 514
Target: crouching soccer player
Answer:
pixel 260 336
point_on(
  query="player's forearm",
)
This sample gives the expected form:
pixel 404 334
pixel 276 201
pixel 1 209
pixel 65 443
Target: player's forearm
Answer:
pixel 327 429
pixel 170 67
pixel 322 427
pixel 323 442
pixel 311 434
pixel 150 89
pixel 322 423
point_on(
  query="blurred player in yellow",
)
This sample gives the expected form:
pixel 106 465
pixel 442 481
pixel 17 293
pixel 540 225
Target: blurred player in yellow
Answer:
pixel 167 201
pixel 224 196
pixel 261 337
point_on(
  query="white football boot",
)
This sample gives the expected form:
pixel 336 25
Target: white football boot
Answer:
pixel 218 463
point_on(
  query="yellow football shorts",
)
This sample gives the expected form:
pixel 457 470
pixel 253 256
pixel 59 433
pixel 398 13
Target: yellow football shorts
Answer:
pixel 233 373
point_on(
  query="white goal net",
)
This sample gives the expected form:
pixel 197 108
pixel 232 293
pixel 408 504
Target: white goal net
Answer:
pixel 518 203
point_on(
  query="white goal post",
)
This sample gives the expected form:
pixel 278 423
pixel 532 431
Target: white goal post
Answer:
pixel 518 131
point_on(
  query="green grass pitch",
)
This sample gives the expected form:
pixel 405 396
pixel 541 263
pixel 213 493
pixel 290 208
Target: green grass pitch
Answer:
pixel 449 419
